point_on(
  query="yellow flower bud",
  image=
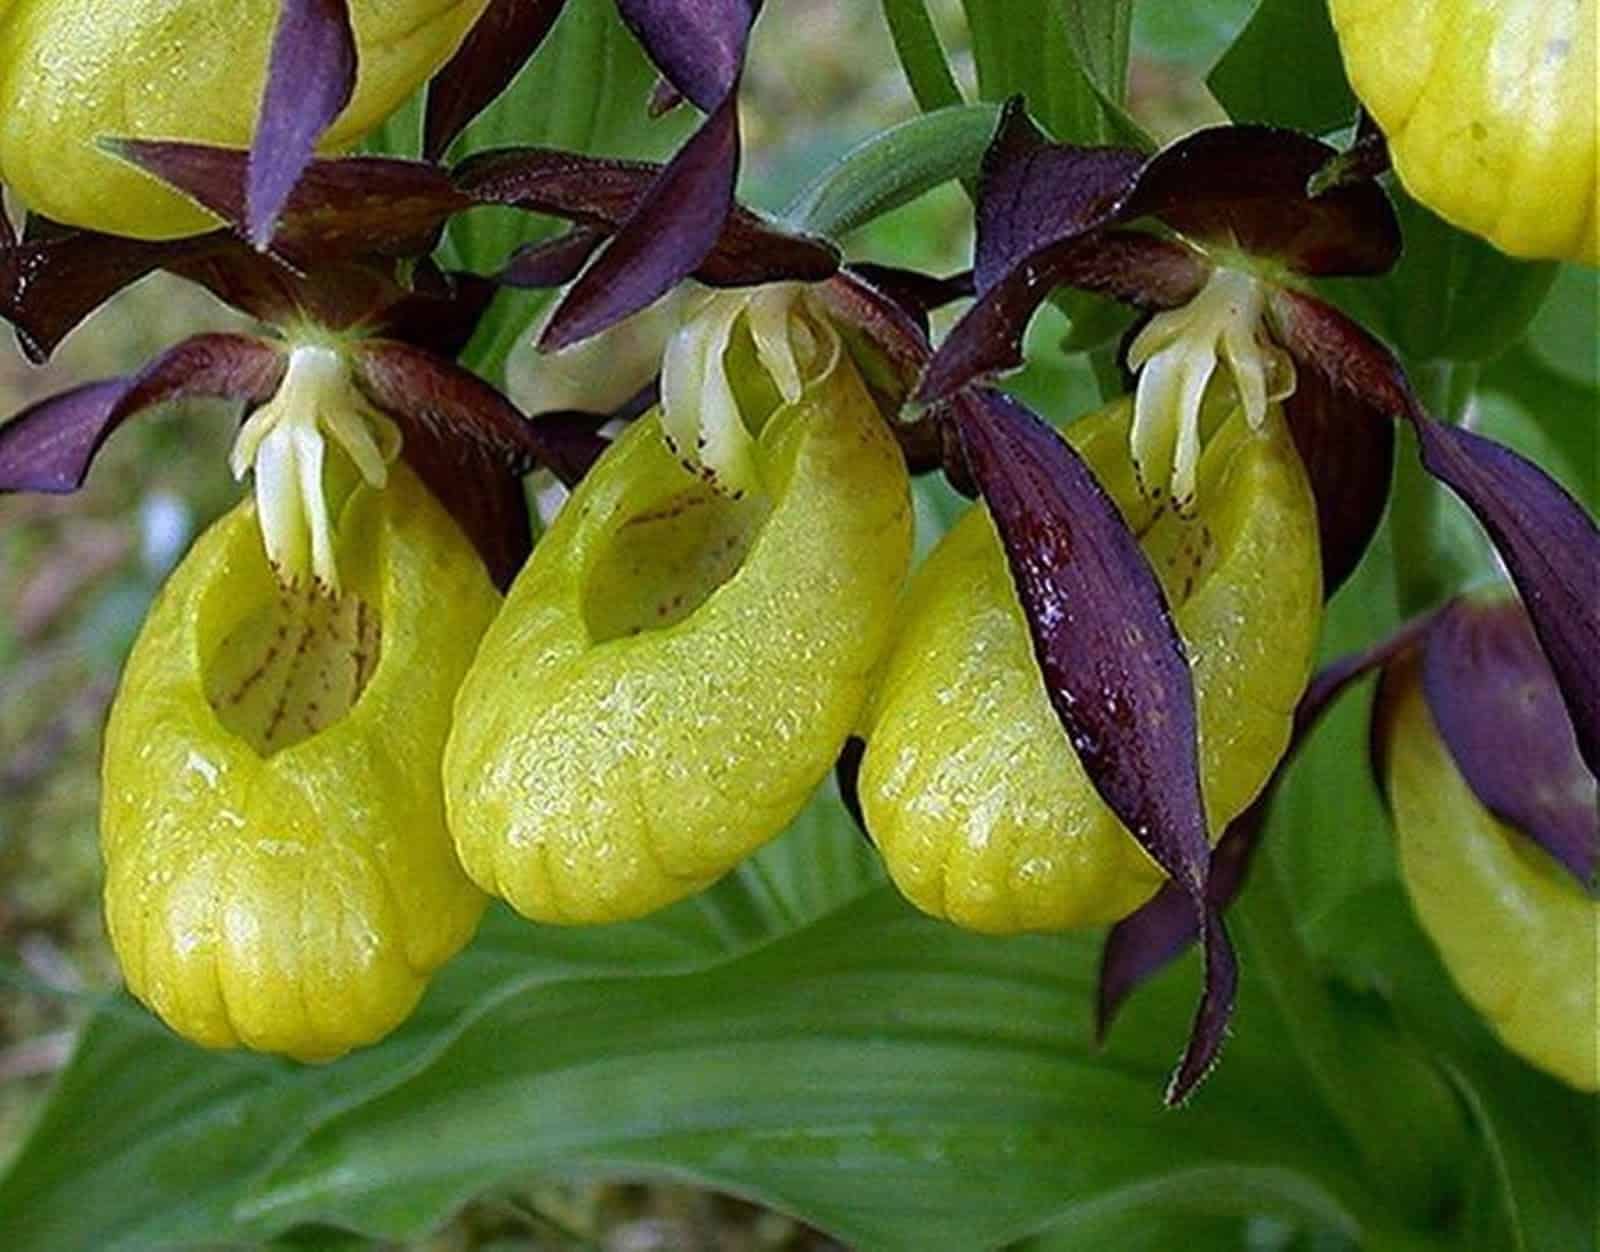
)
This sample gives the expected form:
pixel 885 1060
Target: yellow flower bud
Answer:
pixel 278 873
pixel 969 785
pixel 75 71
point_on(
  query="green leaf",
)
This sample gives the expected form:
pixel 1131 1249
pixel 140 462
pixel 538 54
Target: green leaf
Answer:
pixel 1285 69
pixel 1330 787
pixel 877 1073
pixel 1566 329
pixel 1098 32
pixel 922 56
pixel 885 1076
pixel 1538 1187
pixel 1023 46
pixel 893 168
pixel 1193 34
pixel 1452 297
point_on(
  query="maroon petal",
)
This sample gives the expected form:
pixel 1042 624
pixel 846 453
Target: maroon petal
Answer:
pixel 339 208
pixel 1034 194
pixel 873 316
pixel 1321 337
pixel 49 446
pixel 666 237
pixel 1148 940
pixel 310 78
pixel 1139 269
pixel 598 191
pixel 917 293
pixel 698 44
pixel 1113 663
pixel 1551 548
pixel 606 193
pixel 1244 187
pixel 1348 450
pixel 751 251
pixel 1549 543
pixel 500 42
pixel 1492 694
pixel 440 312
pixel 422 390
pixel 50 283
pixel 465 440
pixel 554 262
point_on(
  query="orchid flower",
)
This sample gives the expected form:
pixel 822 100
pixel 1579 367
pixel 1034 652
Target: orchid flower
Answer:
pixel 1219 238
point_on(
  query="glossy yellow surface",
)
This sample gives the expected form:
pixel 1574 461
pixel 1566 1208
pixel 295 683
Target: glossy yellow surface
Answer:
pixel 974 795
pixel 1518 935
pixel 1489 107
pixel 75 71
pixel 278 873
pixel 674 671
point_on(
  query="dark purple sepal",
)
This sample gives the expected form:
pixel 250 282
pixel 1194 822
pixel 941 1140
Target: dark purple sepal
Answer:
pixel 1244 188
pixel 1139 269
pixel 465 440
pixel 605 193
pixel 671 230
pixel 1319 336
pixel 8 232
pixel 506 34
pixel 1209 1030
pixel 440 312
pixel 421 389
pixel 552 262
pixel 1550 545
pixel 51 282
pixel 1347 447
pixel 1034 194
pixel 1495 701
pixel 49 446
pixel 1158 932
pixel 340 207
pixel 597 191
pixel 310 78
pixel 1113 663
pixel 699 45
pixel 917 293
pixel 1153 936
pixel 1551 548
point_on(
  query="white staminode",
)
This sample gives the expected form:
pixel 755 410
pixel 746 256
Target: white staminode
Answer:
pixel 700 415
pixel 1175 356
pixel 283 441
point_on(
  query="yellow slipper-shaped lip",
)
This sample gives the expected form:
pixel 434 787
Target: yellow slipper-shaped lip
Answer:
pixel 676 669
pixel 969 785
pixel 278 873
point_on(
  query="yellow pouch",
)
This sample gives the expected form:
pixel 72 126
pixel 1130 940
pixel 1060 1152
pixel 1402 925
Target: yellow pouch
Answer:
pixel 278 873
pixel 969 785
